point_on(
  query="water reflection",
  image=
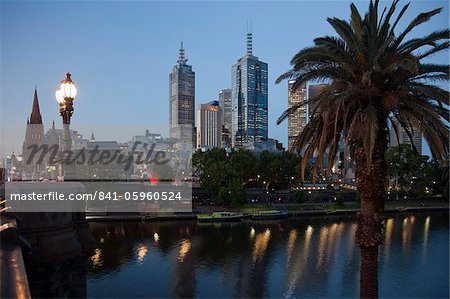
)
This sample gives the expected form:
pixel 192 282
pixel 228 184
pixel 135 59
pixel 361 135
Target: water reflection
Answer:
pixel 296 269
pixel 291 244
pixel 185 246
pixel 351 241
pixel 407 230
pixel 96 259
pixel 389 226
pixel 260 246
pixel 141 252
pixel 321 248
pixel 426 229
pixel 307 257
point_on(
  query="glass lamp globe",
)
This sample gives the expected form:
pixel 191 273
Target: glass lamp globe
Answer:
pixel 59 96
pixel 67 87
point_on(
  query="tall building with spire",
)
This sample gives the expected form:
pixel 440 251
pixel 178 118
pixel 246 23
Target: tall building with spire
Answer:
pixel 34 135
pixel 249 88
pixel 182 100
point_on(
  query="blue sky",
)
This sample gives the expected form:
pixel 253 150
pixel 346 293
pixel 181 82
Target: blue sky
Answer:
pixel 121 53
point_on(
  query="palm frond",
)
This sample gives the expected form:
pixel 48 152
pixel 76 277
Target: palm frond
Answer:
pixel 436 49
pixel 291 111
pixel 420 19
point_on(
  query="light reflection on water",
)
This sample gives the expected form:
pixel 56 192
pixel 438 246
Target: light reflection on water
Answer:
pixel 293 258
pixel 185 247
pixel 259 247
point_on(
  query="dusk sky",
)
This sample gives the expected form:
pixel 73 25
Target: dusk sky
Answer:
pixel 121 53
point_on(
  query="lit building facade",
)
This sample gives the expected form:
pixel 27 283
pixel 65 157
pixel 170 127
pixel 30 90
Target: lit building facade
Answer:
pixel 209 125
pixel 297 120
pixel 249 92
pixel 226 105
pixel 403 137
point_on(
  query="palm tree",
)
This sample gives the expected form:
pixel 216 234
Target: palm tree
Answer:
pixel 376 77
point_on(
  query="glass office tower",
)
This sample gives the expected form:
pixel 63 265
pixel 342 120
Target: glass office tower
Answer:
pixel 249 99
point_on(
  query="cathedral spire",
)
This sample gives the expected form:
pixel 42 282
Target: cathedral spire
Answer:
pixel 35 117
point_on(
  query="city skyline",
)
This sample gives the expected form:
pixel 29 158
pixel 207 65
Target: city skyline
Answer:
pixel 117 65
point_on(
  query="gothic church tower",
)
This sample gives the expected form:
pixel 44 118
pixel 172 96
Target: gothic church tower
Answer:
pixel 34 135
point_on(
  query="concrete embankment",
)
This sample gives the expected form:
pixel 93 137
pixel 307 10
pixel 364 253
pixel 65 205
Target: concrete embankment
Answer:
pixel 354 211
pixel 192 216
pixel 134 217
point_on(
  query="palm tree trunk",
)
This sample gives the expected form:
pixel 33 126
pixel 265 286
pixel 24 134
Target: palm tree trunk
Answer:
pixel 369 235
pixel 369 272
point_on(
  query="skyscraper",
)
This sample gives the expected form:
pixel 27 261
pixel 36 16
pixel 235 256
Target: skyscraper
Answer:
pixel 225 104
pixel 403 137
pixel 296 121
pixel 209 125
pixel 34 135
pixel 182 100
pixel 249 98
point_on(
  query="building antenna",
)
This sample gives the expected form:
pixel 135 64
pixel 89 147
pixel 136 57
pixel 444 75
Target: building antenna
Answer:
pixel 181 57
pixel 249 39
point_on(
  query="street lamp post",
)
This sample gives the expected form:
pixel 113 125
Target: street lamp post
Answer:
pixel 65 96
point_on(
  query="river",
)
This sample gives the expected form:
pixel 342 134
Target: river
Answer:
pixel 302 257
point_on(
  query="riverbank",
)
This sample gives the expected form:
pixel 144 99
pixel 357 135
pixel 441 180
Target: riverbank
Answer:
pixel 303 213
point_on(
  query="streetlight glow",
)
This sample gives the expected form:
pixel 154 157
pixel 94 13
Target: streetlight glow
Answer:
pixel 67 87
pixel 67 91
pixel 59 96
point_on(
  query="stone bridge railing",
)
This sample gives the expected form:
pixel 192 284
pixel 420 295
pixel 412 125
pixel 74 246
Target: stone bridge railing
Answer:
pixel 14 282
